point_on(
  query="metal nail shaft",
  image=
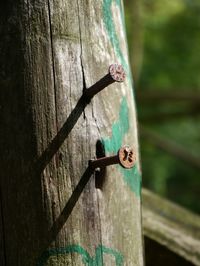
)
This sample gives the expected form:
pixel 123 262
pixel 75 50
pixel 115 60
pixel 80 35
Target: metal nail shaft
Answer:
pixel 126 157
pixel 116 74
pixel 104 161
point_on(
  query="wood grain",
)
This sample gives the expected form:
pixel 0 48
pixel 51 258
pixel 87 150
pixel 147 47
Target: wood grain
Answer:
pixel 171 226
pixel 54 215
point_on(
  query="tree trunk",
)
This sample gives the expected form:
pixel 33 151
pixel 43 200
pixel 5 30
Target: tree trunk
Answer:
pixel 51 211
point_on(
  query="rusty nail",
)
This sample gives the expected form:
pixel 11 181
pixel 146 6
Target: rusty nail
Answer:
pixel 126 157
pixel 116 73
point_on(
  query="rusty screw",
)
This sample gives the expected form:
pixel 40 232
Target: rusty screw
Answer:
pixel 116 73
pixel 126 157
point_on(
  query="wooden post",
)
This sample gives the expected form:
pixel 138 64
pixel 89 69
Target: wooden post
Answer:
pixel 164 227
pixel 51 211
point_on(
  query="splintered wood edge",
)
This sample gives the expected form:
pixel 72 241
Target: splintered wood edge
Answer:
pixel 171 226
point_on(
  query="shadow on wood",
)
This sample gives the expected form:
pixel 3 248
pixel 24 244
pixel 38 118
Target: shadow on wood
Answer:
pixel 63 133
pixel 61 220
pixel 64 215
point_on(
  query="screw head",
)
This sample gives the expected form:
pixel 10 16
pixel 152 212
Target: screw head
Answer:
pixel 127 157
pixel 117 72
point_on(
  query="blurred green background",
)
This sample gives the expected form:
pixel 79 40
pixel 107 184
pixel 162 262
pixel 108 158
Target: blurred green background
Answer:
pixel 164 47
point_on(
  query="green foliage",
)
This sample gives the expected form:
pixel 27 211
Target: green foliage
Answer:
pixel 171 63
pixel 171 47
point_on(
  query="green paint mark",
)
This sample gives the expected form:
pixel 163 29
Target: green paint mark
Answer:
pixel 97 260
pixel 119 129
pixel 100 250
pixel 110 27
pixel 132 176
pixel 112 33
pixel 62 251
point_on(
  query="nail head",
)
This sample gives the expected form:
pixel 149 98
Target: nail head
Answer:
pixel 127 157
pixel 117 72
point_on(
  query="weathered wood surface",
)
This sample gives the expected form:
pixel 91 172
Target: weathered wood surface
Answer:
pixel 50 52
pixel 172 226
pixel 2 247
